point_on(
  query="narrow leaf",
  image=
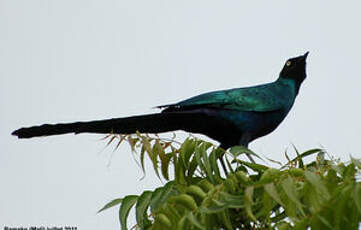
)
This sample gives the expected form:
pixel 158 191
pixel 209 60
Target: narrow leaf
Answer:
pixel 290 190
pixel 300 161
pixel 192 167
pixel 156 196
pixel 111 204
pixel 125 207
pixel 315 180
pixel 325 222
pixel 226 220
pixel 194 221
pixel 272 191
pixel 142 154
pixel 160 195
pixel 213 162
pixel 207 163
pixel 186 151
pixel 164 159
pixel 142 207
pixel 253 166
pixel 357 196
pixel 305 154
pixel 237 150
pixel 248 201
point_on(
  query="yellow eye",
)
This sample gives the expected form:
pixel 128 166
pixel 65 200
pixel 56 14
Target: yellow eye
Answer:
pixel 288 63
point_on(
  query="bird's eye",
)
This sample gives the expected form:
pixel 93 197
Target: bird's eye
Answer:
pixel 288 63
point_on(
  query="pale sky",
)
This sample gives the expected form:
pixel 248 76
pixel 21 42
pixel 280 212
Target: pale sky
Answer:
pixel 63 61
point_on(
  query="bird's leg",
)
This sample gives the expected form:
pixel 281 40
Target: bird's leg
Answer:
pixel 250 158
pixel 245 144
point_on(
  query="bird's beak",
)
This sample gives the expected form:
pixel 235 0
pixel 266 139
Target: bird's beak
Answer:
pixel 305 55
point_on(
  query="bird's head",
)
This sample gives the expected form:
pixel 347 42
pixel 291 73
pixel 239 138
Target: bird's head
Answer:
pixel 295 68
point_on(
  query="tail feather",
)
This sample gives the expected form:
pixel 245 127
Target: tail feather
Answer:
pixel 204 121
pixel 151 123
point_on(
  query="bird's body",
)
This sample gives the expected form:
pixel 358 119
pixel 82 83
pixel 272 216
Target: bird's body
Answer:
pixel 232 117
pixel 244 113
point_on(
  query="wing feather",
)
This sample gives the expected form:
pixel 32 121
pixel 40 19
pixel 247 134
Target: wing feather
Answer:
pixel 262 98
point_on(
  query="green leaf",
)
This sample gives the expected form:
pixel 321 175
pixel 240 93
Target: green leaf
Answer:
pixel 164 159
pixel 270 175
pixel 125 207
pixel 156 196
pixel 187 150
pixel 349 172
pixel 325 222
pixel 111 204
pixel 315 180
pixel 201 154
pixel 357 196
pixel 172 212
pixel 142 154
pixel 132 141
pixel 226 219
pixel 230 185
pixel 301 225
pixel 242 177
pixel 142 207
pixel 179 171
pixel 272 191
pixel 206 162
pixel 253 166
pixel 160 195
pixel 153 154
pixel 163 220
pixel 192 167
pixel 296 172
pixel 308 153
pixel 290 190
pixel 197 191
pixel 216 207
pixel 248 202
pixel 194 221
pixel 340 207
pixel 183 223
pixel 300 161
pixel 239 149
pixel 186 201
pixel 232 201
pixel 205 185
pixel 267 205
pixel 213 162
pixel 303 155
pixel 319 195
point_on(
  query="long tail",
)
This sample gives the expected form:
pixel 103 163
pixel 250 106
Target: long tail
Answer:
pixel 151 123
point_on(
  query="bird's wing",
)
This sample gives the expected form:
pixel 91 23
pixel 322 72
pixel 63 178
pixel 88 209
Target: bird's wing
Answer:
pixel 262 98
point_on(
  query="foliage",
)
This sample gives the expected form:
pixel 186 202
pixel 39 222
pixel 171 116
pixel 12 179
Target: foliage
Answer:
pixel 323 194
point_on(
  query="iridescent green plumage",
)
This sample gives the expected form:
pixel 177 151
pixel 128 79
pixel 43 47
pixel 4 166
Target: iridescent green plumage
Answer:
pixel 262 98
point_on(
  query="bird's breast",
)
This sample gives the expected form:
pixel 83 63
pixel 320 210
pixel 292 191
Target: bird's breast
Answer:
pixel 255 124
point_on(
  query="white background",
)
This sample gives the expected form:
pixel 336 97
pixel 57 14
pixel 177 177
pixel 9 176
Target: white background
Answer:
pixel 63 61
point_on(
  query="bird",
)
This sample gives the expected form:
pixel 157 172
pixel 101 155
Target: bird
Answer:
pixel 232 117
